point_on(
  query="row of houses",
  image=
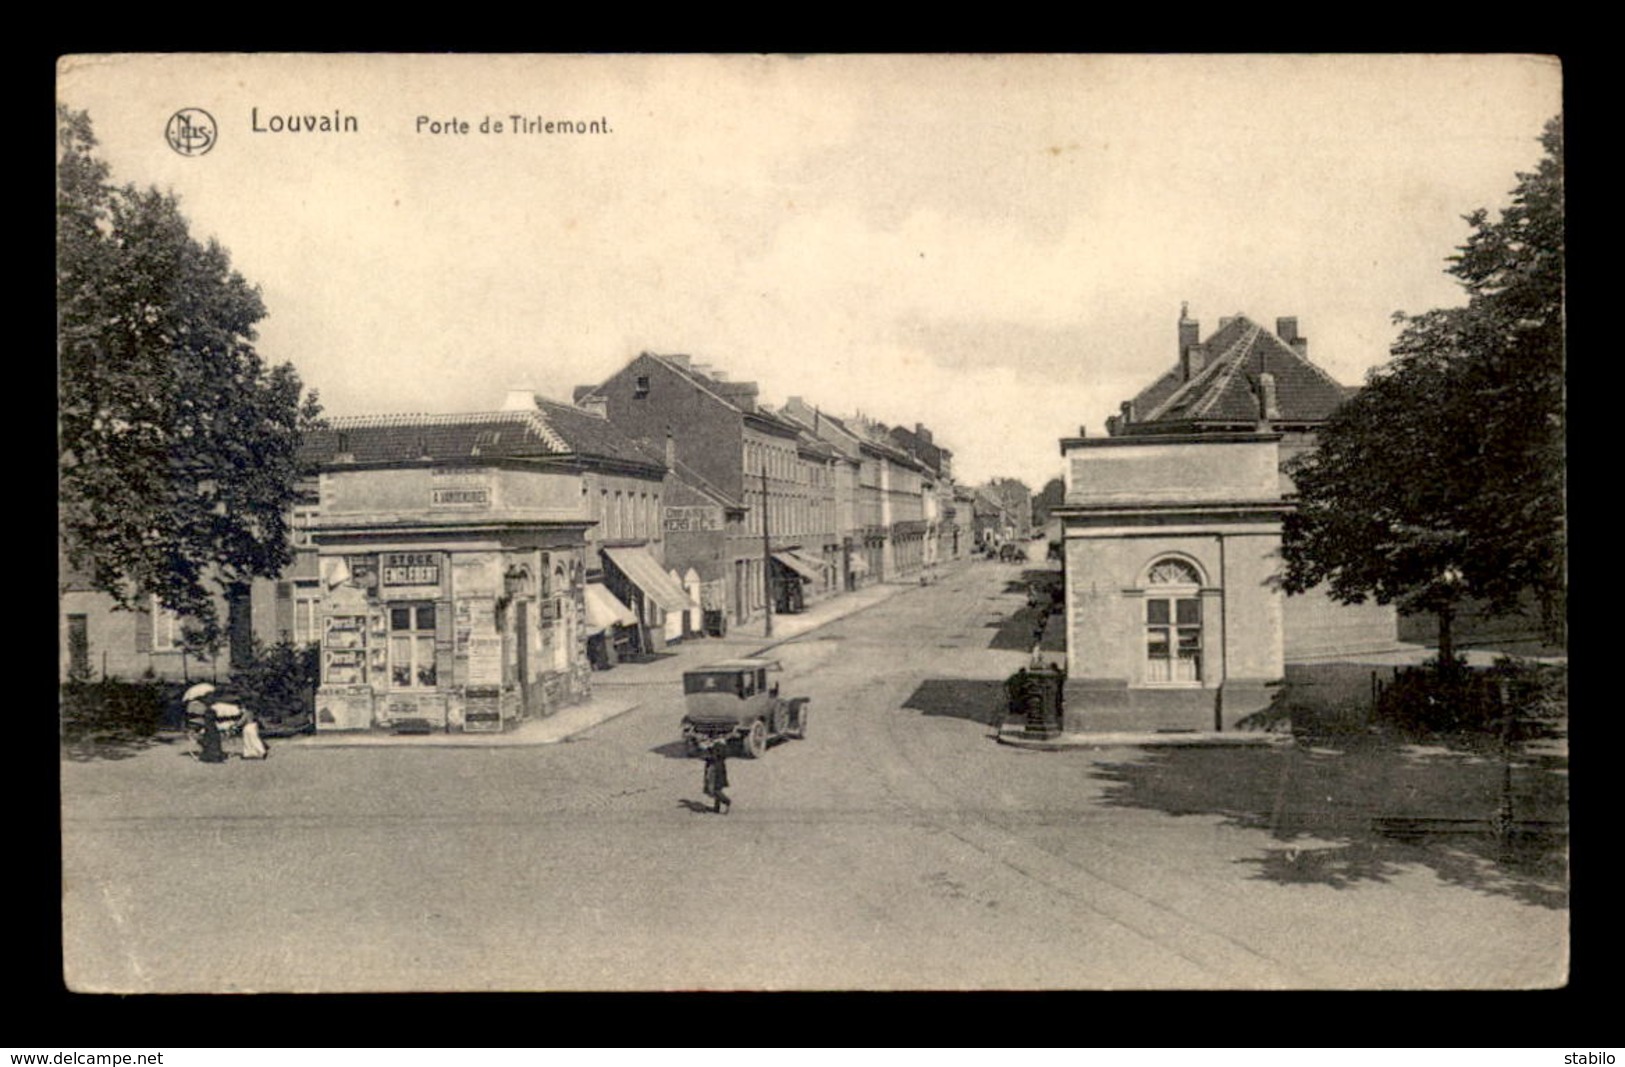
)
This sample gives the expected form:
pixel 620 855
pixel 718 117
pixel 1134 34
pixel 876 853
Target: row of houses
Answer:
pixel 469 571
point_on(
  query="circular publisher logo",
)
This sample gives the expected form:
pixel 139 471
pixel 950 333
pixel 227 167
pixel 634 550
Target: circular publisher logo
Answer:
pixel 191 131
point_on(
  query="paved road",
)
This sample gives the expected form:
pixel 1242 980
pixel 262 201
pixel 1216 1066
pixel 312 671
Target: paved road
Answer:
pixel 896 847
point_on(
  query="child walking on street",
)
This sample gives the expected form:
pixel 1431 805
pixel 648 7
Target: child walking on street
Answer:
pixel 716 775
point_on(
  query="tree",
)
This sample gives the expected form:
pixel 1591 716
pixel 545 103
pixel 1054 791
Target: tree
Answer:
pixel 1052 496
pixel 176 442
pixel 1443 479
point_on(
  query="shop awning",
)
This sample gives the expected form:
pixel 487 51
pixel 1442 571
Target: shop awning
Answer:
pixel 642 571
pixel 790 560
pixel 604 610
pixel 814 562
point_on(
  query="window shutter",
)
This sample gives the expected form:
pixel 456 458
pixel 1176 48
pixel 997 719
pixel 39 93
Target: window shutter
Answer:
pixel 143 630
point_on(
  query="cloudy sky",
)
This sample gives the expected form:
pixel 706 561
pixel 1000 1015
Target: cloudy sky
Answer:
pixel 996 247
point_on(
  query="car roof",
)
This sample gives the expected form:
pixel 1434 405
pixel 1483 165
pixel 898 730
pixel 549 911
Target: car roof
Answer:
pixel 734 665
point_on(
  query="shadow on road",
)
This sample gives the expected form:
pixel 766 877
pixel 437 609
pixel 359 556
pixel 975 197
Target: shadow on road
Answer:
pixel 695 806
pixel 1365 810
pixel 958 698
pixel 115 746
pixel 1019 631
pixel 672 750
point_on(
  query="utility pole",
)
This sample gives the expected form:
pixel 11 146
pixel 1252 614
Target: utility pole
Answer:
pixel 767 557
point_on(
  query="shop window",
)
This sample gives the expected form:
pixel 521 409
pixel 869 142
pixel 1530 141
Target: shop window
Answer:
pixel 1173 624
pixel 411 646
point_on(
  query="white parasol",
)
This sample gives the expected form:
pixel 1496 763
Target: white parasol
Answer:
pixel 197 692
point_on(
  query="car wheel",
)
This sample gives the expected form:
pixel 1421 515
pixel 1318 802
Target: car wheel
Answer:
pixel 755 744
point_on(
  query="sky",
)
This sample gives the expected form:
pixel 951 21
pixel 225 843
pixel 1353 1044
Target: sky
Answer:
pixel 996 247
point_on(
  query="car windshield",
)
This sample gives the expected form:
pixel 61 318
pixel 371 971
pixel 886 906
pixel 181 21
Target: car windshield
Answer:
pixel 712 682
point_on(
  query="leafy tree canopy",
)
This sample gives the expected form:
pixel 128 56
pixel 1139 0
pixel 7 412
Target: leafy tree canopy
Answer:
pixel 1444 478
pixel 177 443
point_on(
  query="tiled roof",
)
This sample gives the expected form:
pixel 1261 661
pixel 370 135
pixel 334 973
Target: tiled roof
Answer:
pixel 1226 390
pixel 587 434
pixel 553 429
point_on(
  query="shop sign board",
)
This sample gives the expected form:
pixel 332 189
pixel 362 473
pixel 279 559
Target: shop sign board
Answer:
pixel 411 568
pixel 697 519
pixel 460 496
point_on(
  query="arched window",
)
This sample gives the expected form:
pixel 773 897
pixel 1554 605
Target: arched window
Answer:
pixel 1173 623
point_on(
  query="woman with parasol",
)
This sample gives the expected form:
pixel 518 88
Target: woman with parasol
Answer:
pixel 200 716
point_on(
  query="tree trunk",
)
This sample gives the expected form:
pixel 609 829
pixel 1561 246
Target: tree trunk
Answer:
pixel 1447 644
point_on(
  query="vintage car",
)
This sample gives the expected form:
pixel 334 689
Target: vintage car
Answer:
pixel 732 700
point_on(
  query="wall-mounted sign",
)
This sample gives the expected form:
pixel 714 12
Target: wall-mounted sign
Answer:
pixel 460 497
pixel 363 571
pixel 411 568
pixel 697 519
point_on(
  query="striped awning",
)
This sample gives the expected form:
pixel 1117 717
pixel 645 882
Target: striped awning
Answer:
pixel 789 559
pixel 642 571
pixel 814 562
pixel 604 610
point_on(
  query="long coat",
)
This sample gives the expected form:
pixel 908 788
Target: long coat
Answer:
pixel 716 771
pixel 209 747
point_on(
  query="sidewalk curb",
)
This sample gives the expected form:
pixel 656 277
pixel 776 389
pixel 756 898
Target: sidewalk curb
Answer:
pixel 1137 739
pixel 502 740
pixel 859 609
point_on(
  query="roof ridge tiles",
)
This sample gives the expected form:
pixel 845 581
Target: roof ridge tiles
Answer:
pixel 532 419
pixel 1222 379
pixel 1210 374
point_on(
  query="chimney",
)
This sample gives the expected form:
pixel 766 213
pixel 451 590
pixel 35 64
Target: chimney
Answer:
pixel 1083 431
pixel 922 433
pixel 741 395
pixel 1286 328
pixel 1127 409
pixel 1194 359
pixel 519 398
pixel 1190 331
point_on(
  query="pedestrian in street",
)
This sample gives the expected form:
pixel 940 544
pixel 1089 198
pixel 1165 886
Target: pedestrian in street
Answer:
pixel 253 747
pixel 200 717
pixel 716 775
pixel 210 749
